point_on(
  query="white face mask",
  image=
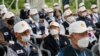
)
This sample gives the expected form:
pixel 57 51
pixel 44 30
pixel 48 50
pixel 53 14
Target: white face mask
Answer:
pixel 95 10
pixel 54 32
pixel 51 14
pixel 26 38
pixel 57 7
pixel 70 19
pixel 83 43
pixel 36 18
pixel 84 14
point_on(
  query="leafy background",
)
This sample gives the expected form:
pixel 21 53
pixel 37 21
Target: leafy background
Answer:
pixel 50 3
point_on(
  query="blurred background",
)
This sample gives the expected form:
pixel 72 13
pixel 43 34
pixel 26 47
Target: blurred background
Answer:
pixel 14 5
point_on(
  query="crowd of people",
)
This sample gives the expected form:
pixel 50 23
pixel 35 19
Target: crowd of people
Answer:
pixel 50 32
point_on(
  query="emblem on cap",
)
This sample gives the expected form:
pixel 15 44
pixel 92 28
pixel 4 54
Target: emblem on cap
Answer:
pixel 22 25
pixel 82 25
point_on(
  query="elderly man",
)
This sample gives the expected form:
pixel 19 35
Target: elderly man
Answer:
pixel 95 17
pixel 38 25
pixel 24 13
pixel 7 31
pixel 50 15
pixel 83 17
pixel 69 18
pixel 79 41
pixel 23 46
pixel 55 41
pixel 66 7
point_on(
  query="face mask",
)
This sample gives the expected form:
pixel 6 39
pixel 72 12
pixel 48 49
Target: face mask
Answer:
pixel 26 38
pixel 10 21
pixel 83 43
pixel 57 7
pixel 36 18
pixel 84 14
pixel 70 19
pixel 51 14
pixel 95 10
pixel 54 32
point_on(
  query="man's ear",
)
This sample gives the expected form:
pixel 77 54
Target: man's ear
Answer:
pixel 59 29
pixel 17 35
pixel 64 17
pixel 71 36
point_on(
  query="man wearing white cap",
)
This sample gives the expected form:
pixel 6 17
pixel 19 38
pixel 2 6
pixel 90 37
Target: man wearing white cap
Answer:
pixel 24 13
pixel 34 15
pixel 68 17
pixel 95 17
pixel 7 31
pixel 22 47
pixel 3 10
pixel 44 10
pixel 79 40
pixel 50 16
pixel 81 4
pixel 39 29
pixel 55 41
pixel 66 7
pixel 56 6
pixel 82 15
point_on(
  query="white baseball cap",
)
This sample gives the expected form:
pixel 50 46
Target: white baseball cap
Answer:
pixel 8 15
pixel 53 23
pixel 21 26
pixel 33 11
pixel 81 4
pixel 3 8
pixel 81 9
pixel 49 10
pixel 66 6
pixel 93 6
pixel 77 27
pixel 67 12
pixel 55 4
pixel 27 5
pixel 45 6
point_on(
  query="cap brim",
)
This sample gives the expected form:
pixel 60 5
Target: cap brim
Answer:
pixel 23 30
pixel 82 31
pixel 52 26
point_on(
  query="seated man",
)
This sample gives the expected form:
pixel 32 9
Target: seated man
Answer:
pixel 79 41
pixel 23 47
pixel 55 41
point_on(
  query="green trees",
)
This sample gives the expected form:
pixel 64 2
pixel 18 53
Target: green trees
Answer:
pixel 50 3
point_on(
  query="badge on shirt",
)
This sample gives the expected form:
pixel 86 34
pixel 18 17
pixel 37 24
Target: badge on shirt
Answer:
pixel 65 43
pixel 19 51
pixel 6 33
pixel 39 32
pixel 67 28
pixel 11 42
pixel 33 26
